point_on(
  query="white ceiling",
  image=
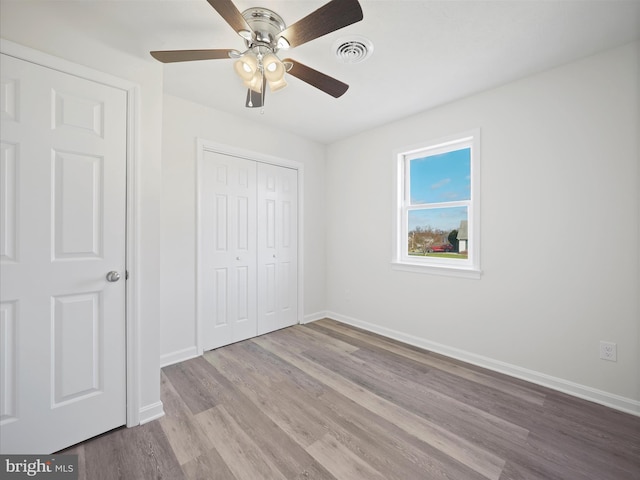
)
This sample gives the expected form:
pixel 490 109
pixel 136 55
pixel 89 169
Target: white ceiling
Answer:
pixel 426 52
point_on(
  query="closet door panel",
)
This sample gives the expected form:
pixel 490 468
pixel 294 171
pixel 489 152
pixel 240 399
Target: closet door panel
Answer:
pixel 277 247
pixel 228 254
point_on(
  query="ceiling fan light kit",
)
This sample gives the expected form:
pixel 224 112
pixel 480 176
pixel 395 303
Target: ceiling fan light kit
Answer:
pixel 265 33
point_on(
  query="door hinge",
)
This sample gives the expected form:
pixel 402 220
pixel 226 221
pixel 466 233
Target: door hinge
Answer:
pixel 126 274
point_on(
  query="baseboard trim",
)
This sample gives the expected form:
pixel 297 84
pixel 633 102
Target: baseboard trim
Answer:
pixel 151 412
pixel 178 356
pixel 313 317
pixel 601 397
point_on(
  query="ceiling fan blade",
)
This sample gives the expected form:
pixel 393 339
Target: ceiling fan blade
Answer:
pixel 317 79
pixel 254 99
pixel 170 56
pixel 331 17
pixel 231 14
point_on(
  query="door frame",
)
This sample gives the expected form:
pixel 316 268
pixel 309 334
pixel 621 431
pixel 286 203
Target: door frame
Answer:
pixel 132 315
pixel 202 146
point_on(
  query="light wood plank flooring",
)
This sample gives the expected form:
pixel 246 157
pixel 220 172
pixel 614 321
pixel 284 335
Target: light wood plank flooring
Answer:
pixel 328 401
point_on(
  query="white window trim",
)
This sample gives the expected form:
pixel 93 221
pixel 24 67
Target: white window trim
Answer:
pixel 401 260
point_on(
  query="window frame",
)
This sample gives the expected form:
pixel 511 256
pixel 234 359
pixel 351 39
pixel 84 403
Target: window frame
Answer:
pixel 469 268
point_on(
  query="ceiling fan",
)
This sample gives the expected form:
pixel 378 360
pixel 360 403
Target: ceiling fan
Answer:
pixel 265 33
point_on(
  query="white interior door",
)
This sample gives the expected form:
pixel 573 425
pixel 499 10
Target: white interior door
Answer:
pixel 63 213
pixel 277 247
pixel 248 248
pixel 228 238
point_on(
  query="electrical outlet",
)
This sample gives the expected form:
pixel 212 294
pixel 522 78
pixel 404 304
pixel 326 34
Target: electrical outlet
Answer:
pixel 608 351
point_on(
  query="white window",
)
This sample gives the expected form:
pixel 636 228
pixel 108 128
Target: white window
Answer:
pixel 438 210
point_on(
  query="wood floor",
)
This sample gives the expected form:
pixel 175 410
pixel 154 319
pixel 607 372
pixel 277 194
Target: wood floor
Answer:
pixel 328 401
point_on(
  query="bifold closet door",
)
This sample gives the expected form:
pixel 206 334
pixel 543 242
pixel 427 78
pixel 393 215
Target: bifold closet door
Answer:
pixel 227 280
pixel 277 247
pixel 248 237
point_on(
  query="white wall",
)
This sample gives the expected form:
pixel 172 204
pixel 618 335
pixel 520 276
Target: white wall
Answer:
pixel 59 35
pixel 560 231
pixel 183 122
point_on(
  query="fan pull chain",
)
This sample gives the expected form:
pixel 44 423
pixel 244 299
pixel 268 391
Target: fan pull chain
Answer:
pixel 264 87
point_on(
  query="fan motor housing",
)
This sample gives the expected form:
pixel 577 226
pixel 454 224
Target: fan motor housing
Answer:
pixel 266 26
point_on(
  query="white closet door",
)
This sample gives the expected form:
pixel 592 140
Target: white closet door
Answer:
pixel 62 216
pixel 277 247
pixel 227 279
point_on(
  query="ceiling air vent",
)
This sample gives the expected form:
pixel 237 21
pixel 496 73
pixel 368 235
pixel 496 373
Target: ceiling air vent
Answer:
pixel 354 49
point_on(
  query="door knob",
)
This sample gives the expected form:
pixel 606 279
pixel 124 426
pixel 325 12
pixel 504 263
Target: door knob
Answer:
pixel 113 276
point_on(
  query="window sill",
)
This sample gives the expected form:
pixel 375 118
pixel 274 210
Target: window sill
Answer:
pixel 447 271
